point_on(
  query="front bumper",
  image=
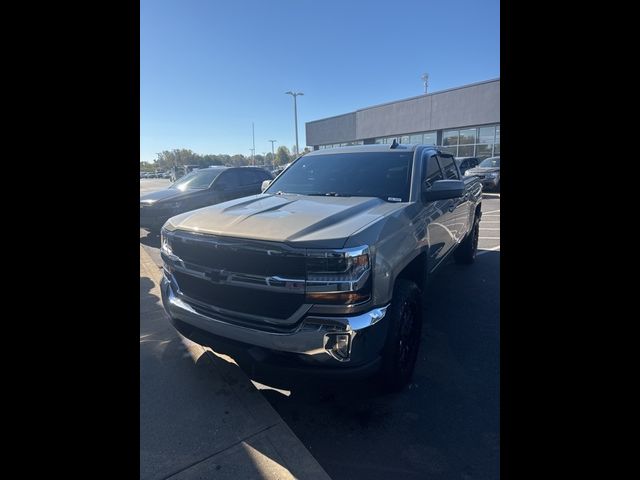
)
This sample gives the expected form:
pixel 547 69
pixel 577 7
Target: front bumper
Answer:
pixel 490 182
pixel 306 346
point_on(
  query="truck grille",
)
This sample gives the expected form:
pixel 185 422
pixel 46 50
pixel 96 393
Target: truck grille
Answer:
pixel 239 256
pixel 241 300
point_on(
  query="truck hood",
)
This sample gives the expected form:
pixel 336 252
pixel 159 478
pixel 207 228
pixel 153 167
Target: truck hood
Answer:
pixel 324 222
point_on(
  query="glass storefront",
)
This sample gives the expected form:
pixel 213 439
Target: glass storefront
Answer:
pixel 427 138
pixel 450 138
pixel 347 144
pixel 481 142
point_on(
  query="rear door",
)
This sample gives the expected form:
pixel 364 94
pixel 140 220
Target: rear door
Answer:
pixel 435 215
pixel 458 221
pixel 249 183
pixel 227 185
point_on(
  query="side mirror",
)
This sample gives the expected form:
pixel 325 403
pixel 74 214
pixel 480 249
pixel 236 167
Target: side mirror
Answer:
pixel 265 184
pixel 442 190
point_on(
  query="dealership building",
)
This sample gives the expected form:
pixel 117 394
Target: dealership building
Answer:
pixel 464 121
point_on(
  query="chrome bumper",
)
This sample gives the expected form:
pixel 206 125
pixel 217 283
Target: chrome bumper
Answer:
pixel 310 339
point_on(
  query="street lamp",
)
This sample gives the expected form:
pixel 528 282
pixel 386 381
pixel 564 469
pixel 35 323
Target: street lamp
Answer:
pixel 273 155
pixel 295 114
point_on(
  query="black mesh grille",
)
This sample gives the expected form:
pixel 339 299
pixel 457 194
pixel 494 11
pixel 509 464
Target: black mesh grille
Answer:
pixel 240 258
pixel 238 299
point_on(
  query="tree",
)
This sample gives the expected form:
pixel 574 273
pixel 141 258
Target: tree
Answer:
pixel 239 160
pixel 283 156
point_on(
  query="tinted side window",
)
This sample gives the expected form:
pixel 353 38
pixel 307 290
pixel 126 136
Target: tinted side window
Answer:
pixel 259 176
pixel 433 172
pixel 449 167
pixel 229 179
pixel 247 177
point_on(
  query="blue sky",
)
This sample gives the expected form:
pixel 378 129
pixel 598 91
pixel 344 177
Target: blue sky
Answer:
pixel 208 68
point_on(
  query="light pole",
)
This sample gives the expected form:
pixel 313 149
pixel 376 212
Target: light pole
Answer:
pixel 273 155
pixel 295 114
pixel 253 150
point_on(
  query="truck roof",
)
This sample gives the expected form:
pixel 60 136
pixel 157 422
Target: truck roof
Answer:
pixel 378 147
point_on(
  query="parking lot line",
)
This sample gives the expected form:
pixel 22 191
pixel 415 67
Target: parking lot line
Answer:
pixel 492 211
pixel 487 250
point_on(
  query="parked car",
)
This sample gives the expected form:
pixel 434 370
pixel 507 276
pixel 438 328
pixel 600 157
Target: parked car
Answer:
pixel 323 272
pixel 465 163
pixel 198 189
pixel 488 171
pixel 166 174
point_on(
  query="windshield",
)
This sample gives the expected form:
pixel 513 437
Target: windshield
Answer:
pixel 198 179
pixel 490 162
pixel 385 175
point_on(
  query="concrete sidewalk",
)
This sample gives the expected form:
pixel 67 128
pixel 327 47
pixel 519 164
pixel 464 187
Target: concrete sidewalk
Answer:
pixel 200 416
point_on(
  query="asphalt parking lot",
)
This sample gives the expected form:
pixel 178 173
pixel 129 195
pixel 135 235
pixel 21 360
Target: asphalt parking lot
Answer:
pixel 447 423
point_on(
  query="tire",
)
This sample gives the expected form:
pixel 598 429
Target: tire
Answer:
pixel 403 337
pixel 465 254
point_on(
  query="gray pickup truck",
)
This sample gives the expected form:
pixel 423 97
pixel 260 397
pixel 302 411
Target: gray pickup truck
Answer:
pixel 323 271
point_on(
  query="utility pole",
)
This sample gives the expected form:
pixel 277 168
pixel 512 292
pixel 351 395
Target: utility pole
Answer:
pixel 295 114
pixel 273 155
pixel 425 79
pixel 253 150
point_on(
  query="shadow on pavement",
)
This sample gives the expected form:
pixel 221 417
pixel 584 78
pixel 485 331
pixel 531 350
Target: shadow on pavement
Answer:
pixel 445 424
pixel 198 422
pixel 149 238
pixel 489 195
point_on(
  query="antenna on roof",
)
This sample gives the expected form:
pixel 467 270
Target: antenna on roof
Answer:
pixel 425 79
pixel 394 144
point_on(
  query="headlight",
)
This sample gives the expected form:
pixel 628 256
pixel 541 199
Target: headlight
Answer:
pixel 340 277
pixel 165 245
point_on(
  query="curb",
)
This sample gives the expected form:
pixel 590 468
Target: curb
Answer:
pixel 297 457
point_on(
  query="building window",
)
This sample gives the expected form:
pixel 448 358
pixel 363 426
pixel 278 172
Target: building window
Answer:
pixel 484 150
pixel 450 138
pixel 415 138
pixel 467 136
pixel 429 138
pixel 496 147
pixel 451 150
pixel 487 135
pixel 466 150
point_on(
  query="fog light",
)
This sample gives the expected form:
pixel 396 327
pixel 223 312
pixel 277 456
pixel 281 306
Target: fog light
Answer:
pixel 338 346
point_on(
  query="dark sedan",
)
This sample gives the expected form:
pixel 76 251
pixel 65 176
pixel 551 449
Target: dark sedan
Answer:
pixel 488 171
pixel 198 189
pixel 465 163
